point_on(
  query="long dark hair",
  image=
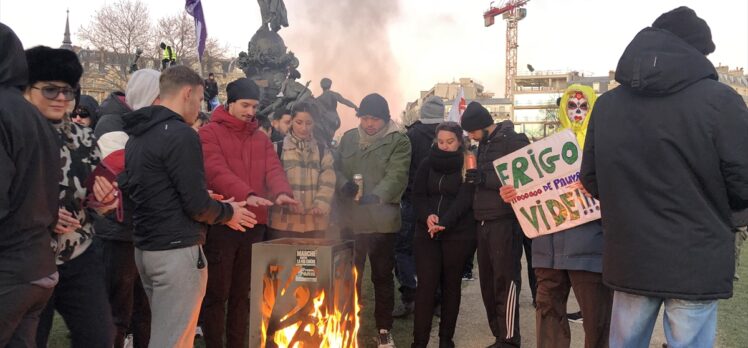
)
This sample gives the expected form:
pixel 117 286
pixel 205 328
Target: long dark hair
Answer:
pixel 306 106
pixel 453 127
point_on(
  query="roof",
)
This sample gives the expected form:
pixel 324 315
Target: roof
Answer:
pixel 733 79
pixel 485 101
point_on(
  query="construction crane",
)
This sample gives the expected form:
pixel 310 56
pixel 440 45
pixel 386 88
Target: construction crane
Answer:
pixel 512 12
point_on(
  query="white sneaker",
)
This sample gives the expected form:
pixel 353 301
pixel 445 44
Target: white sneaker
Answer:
pixel 385 339
pixel 199 332
pixel 128 341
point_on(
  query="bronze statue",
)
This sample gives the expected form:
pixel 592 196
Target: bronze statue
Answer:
pixel 273 14
pixel 329 123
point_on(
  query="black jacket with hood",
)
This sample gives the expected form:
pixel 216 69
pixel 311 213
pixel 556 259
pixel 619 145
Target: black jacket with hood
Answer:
pixel 487 204
pixel 29 174
pixel 666 153
pixel 440 189
pixel 111 111
pixel 421 138
pixel 165 179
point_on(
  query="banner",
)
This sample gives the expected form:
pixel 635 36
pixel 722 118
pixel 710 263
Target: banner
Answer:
pixel 195 9
pixel 458 107
pixel 546 177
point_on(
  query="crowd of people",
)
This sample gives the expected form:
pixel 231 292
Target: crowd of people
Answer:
pixel 136 218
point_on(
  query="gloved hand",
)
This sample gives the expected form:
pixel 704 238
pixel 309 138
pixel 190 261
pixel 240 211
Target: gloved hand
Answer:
pixel 369 199
pixel 349 190
pixel 474 176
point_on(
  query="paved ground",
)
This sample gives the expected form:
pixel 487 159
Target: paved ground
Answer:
pixel 472 327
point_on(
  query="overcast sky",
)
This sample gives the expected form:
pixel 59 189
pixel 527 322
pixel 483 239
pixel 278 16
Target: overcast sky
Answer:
pixel 435 41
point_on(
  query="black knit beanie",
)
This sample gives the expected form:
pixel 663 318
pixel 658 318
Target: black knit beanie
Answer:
pixel 685 24
pixel 475 117
pixel 374 105
pixel 242 88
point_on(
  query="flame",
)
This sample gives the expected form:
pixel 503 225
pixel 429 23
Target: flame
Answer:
pixel 330 323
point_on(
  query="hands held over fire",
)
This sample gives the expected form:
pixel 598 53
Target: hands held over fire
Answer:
pixel 242 217
pixel 282 199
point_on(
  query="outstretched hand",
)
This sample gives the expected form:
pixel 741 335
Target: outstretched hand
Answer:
pixel 242 218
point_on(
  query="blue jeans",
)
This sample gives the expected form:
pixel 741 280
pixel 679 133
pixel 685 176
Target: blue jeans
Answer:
pixel 405 268
pixel 687 323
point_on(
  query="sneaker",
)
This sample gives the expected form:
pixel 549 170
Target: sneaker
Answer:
pixel 468 276
pixel 128 341
pixel 384 339
pixel 575 317
pixel 199 332
pixel 403 309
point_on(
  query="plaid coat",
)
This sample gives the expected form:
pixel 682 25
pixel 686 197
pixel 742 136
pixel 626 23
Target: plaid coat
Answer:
pixel 312 181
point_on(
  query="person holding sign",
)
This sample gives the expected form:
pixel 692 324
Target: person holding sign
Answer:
pixel 571 258
pixel 665 153
pixel 445 233
pixel 499 236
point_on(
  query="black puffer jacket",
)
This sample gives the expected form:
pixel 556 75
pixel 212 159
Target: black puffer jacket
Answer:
pixel 421 139
pixel 439 189
pixel 165 178
pixel 29 174
pixel 503 141
pixel 111 111
pixel 667 155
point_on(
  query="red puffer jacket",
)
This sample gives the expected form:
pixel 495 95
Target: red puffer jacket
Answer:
pixel 240 160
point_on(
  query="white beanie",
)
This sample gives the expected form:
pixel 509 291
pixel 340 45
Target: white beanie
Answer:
pixel 142 89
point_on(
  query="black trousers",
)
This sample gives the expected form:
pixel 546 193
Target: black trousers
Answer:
pixel 131 312
pixel 531 278
pixel 229 255
pixel 81 299
pixel 438 263
pixel 380 248
pixel 499 253
pixel 20 307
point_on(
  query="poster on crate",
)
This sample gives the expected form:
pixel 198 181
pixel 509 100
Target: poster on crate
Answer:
pixel 306 260
pixel 550 197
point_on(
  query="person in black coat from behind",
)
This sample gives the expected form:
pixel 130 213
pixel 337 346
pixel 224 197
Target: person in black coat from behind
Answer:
pixel 445 233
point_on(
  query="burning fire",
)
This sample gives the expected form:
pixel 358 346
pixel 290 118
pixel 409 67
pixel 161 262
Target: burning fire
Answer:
pixel 318 321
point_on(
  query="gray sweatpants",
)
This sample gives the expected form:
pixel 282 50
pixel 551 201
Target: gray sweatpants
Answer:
pixel 175 287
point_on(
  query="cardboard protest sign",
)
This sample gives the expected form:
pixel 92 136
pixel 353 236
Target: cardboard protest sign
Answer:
pixel 545 175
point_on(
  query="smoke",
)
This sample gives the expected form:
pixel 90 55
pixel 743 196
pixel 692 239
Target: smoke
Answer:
pixel 346 41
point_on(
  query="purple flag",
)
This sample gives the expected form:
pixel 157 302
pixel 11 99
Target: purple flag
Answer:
pixel 195 9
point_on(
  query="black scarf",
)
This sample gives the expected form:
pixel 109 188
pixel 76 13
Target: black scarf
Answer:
pixel 446 162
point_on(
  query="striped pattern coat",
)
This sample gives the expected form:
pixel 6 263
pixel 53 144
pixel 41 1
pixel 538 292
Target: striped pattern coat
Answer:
pixel 313 184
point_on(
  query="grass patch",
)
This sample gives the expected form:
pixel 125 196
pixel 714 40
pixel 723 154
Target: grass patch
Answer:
pixel 733 313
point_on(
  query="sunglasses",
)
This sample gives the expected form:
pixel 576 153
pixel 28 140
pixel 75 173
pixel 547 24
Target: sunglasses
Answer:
pixel 81 114
pixel 51 92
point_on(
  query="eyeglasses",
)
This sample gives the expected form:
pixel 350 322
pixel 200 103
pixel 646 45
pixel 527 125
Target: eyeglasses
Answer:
pixel 81 115
pixel 51 92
